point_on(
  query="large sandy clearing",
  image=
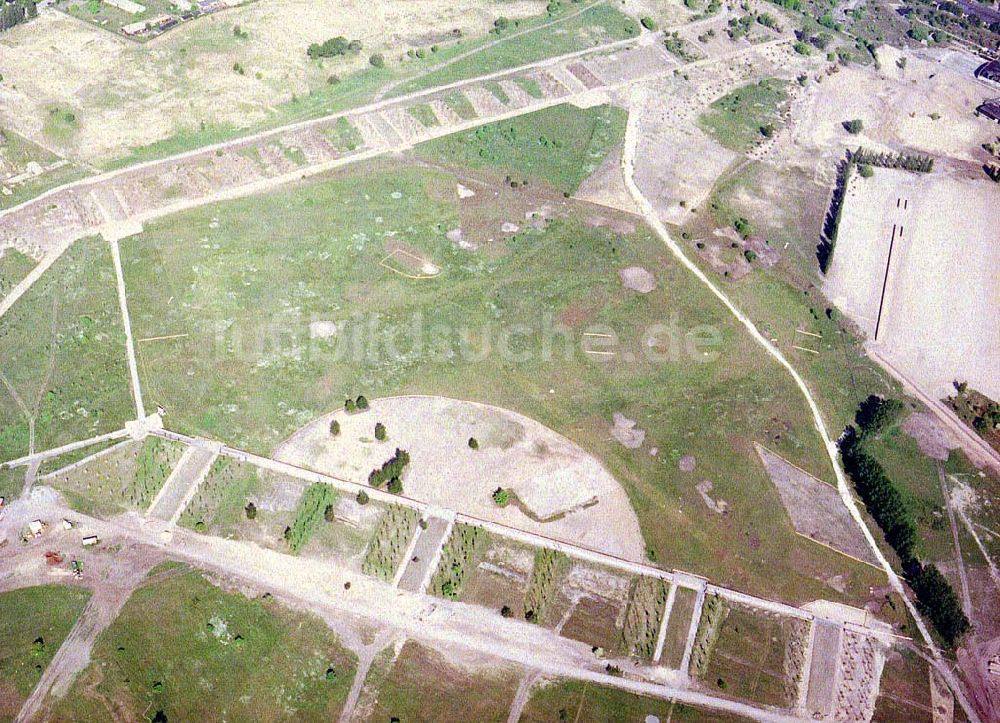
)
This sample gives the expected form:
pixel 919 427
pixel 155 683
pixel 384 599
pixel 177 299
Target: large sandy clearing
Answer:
pixel 126 94
pixel 941 313
pixel 555 479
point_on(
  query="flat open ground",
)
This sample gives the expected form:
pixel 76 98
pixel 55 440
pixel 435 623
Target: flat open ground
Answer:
pixel 937 320
pixel 815 507
pixel 569 494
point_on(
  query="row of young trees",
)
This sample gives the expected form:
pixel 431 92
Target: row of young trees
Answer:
pixel 831 224
pixel 903 161
pixel 935 597
pixel 15 12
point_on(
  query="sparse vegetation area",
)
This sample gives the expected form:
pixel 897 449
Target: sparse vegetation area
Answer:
pixel 34 621
pixel 126 478
pixel 546 578
pixel 180 637
pixel 14 266
pixel 647 597
pixel 459 556
pixel 222 497
pixel 388 544
pixel 735 119
pixel 63 354
pixel 560 146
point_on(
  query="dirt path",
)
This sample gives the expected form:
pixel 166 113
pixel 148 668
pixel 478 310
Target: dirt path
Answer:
pixel 521 696
pixel 962 574
pixel 73 655
pixel 181 485
pixel 366 656
pixel 628 163
pixel 133 368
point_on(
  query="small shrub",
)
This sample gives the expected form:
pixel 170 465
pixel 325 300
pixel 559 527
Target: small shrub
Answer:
pixel 377 60
pixel 362 497
pixel 473 443
pixel 330 513
pixel 854 126
pixel 350 405
pixel 750 255
pixel 380 433
pixel 743 227
pixel 506 612
pixel 648 23
pixel 334 428
pixel 865 171
pixel 251 511
pixel 362 402
pixel 802 48
pixel 395 486
pixel 501 497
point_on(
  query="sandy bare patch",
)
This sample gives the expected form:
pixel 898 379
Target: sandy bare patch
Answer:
pixel 508 227
pixel 638 279
pixel 932 437
pixel 322 329
pixel 687 463
pixel 625 431
pixel 815 508
pixel 464 191
pixel 553 478
pixel 937 323
pixel 704 489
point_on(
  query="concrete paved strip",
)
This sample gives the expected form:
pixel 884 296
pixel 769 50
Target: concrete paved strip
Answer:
pixel 823 668
pixel 661 635
pixel 693 626
pixel 181 484
pixel 426 552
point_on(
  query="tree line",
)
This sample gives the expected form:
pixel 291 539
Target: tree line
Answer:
pixel 887 505
pixel 831 224
pixel 903 161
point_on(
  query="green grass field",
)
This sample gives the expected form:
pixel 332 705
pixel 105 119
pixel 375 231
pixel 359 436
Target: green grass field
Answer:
pixel 599 24
pixel 559 146
pixel 62 350
pixel 44 614
pixel 221 498
pixel 573 700
pixel 16 152
pixel 736 120
pixel 246 291
pixel 14 266
pixel 195 652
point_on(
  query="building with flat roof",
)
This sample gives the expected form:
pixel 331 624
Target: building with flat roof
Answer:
pixel 990 108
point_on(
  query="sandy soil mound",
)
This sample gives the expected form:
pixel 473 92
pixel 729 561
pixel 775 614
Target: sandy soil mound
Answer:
pixel 625 431
pixel 637 279
pixel 932 437
pixel 556 481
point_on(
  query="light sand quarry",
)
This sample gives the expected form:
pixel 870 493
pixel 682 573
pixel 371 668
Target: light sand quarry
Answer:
pixel 941 313
pixel 554 479
pixel 126 94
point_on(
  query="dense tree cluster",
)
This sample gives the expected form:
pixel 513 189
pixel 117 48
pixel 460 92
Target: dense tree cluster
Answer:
pixel 831 224
pixel 886 504
pixel 334 47
pixel 391 469
pixel 14 12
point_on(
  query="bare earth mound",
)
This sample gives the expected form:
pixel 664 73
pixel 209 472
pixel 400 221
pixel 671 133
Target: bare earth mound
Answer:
pixel 815 507
pixel 567 494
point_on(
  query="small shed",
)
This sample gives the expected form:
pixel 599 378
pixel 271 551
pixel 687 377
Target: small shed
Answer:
pixel 90 540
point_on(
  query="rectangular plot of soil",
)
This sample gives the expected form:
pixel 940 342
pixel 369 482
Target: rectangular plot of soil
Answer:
pixel 593 622
pixel 815 507
pixel 748 659
pixel 904 693
pixel 678 626
pixel 822 671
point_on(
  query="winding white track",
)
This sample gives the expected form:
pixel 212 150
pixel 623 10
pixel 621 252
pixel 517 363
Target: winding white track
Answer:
pixel 637 104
